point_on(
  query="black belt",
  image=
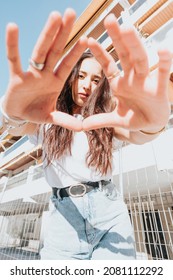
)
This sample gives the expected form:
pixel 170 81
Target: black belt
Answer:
pixel 76 190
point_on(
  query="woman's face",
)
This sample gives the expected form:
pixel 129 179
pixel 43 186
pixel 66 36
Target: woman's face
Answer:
pixel 89 75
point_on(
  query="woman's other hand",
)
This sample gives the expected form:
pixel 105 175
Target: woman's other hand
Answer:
pixel 142 101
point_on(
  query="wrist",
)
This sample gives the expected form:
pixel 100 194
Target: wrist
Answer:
pixel 10 122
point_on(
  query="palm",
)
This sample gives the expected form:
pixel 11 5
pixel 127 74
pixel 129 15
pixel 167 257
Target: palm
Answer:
pixel 32 95
pixel 35 95
pixel 139 103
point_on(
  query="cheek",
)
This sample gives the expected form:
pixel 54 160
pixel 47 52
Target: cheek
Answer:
pixel 77 86
pixel 94 86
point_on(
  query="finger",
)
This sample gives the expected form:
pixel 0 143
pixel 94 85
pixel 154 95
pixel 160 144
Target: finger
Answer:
pixel 66 121
pixel 12 35
pixel 69 61
pixel 113 30
pixel 129 47
pixel 103 57
pixel 61 38
pixel 165 61
pixel 46 37
pixel 137 52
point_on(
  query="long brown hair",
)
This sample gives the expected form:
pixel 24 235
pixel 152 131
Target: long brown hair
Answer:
pixel 58 140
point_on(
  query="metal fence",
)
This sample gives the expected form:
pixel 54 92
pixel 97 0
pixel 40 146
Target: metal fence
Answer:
pixel 150 209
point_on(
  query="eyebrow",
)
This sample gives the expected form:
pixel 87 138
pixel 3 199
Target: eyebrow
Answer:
pixel 98 76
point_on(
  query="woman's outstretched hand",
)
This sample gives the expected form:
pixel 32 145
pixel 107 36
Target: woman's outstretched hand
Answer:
pixel 32 95
pixel 142 101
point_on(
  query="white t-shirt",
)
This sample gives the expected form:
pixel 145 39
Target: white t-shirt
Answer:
pixel 70 169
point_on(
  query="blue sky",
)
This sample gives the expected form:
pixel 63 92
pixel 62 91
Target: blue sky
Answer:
pixel 30 16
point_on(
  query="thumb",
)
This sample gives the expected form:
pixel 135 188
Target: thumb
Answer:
pixel 99 121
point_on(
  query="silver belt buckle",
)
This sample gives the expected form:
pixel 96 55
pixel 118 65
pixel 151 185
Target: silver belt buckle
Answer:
pixel 73 187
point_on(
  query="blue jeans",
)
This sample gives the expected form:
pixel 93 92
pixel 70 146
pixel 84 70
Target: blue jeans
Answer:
pixel 95 226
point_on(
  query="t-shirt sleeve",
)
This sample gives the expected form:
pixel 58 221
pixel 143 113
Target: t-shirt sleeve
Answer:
pixel 37 137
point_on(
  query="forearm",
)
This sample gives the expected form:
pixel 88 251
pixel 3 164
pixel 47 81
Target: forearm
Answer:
pixel 134 137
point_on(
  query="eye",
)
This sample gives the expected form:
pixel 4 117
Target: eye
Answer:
pixel 96 81
pixel 81 76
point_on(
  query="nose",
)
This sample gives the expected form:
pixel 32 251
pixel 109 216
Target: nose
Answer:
pixel 87 84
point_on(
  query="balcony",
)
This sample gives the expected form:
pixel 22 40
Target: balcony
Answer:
pixel 18 148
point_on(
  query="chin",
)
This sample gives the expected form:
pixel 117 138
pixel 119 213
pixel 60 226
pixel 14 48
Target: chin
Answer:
pixel 80 103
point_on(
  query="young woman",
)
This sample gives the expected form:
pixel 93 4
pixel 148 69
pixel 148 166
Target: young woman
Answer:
pixel 77 113
pixel 90 220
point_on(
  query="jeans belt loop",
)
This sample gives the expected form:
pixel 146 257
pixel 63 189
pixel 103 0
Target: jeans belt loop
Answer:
pixel 57 193
pixel 100 186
